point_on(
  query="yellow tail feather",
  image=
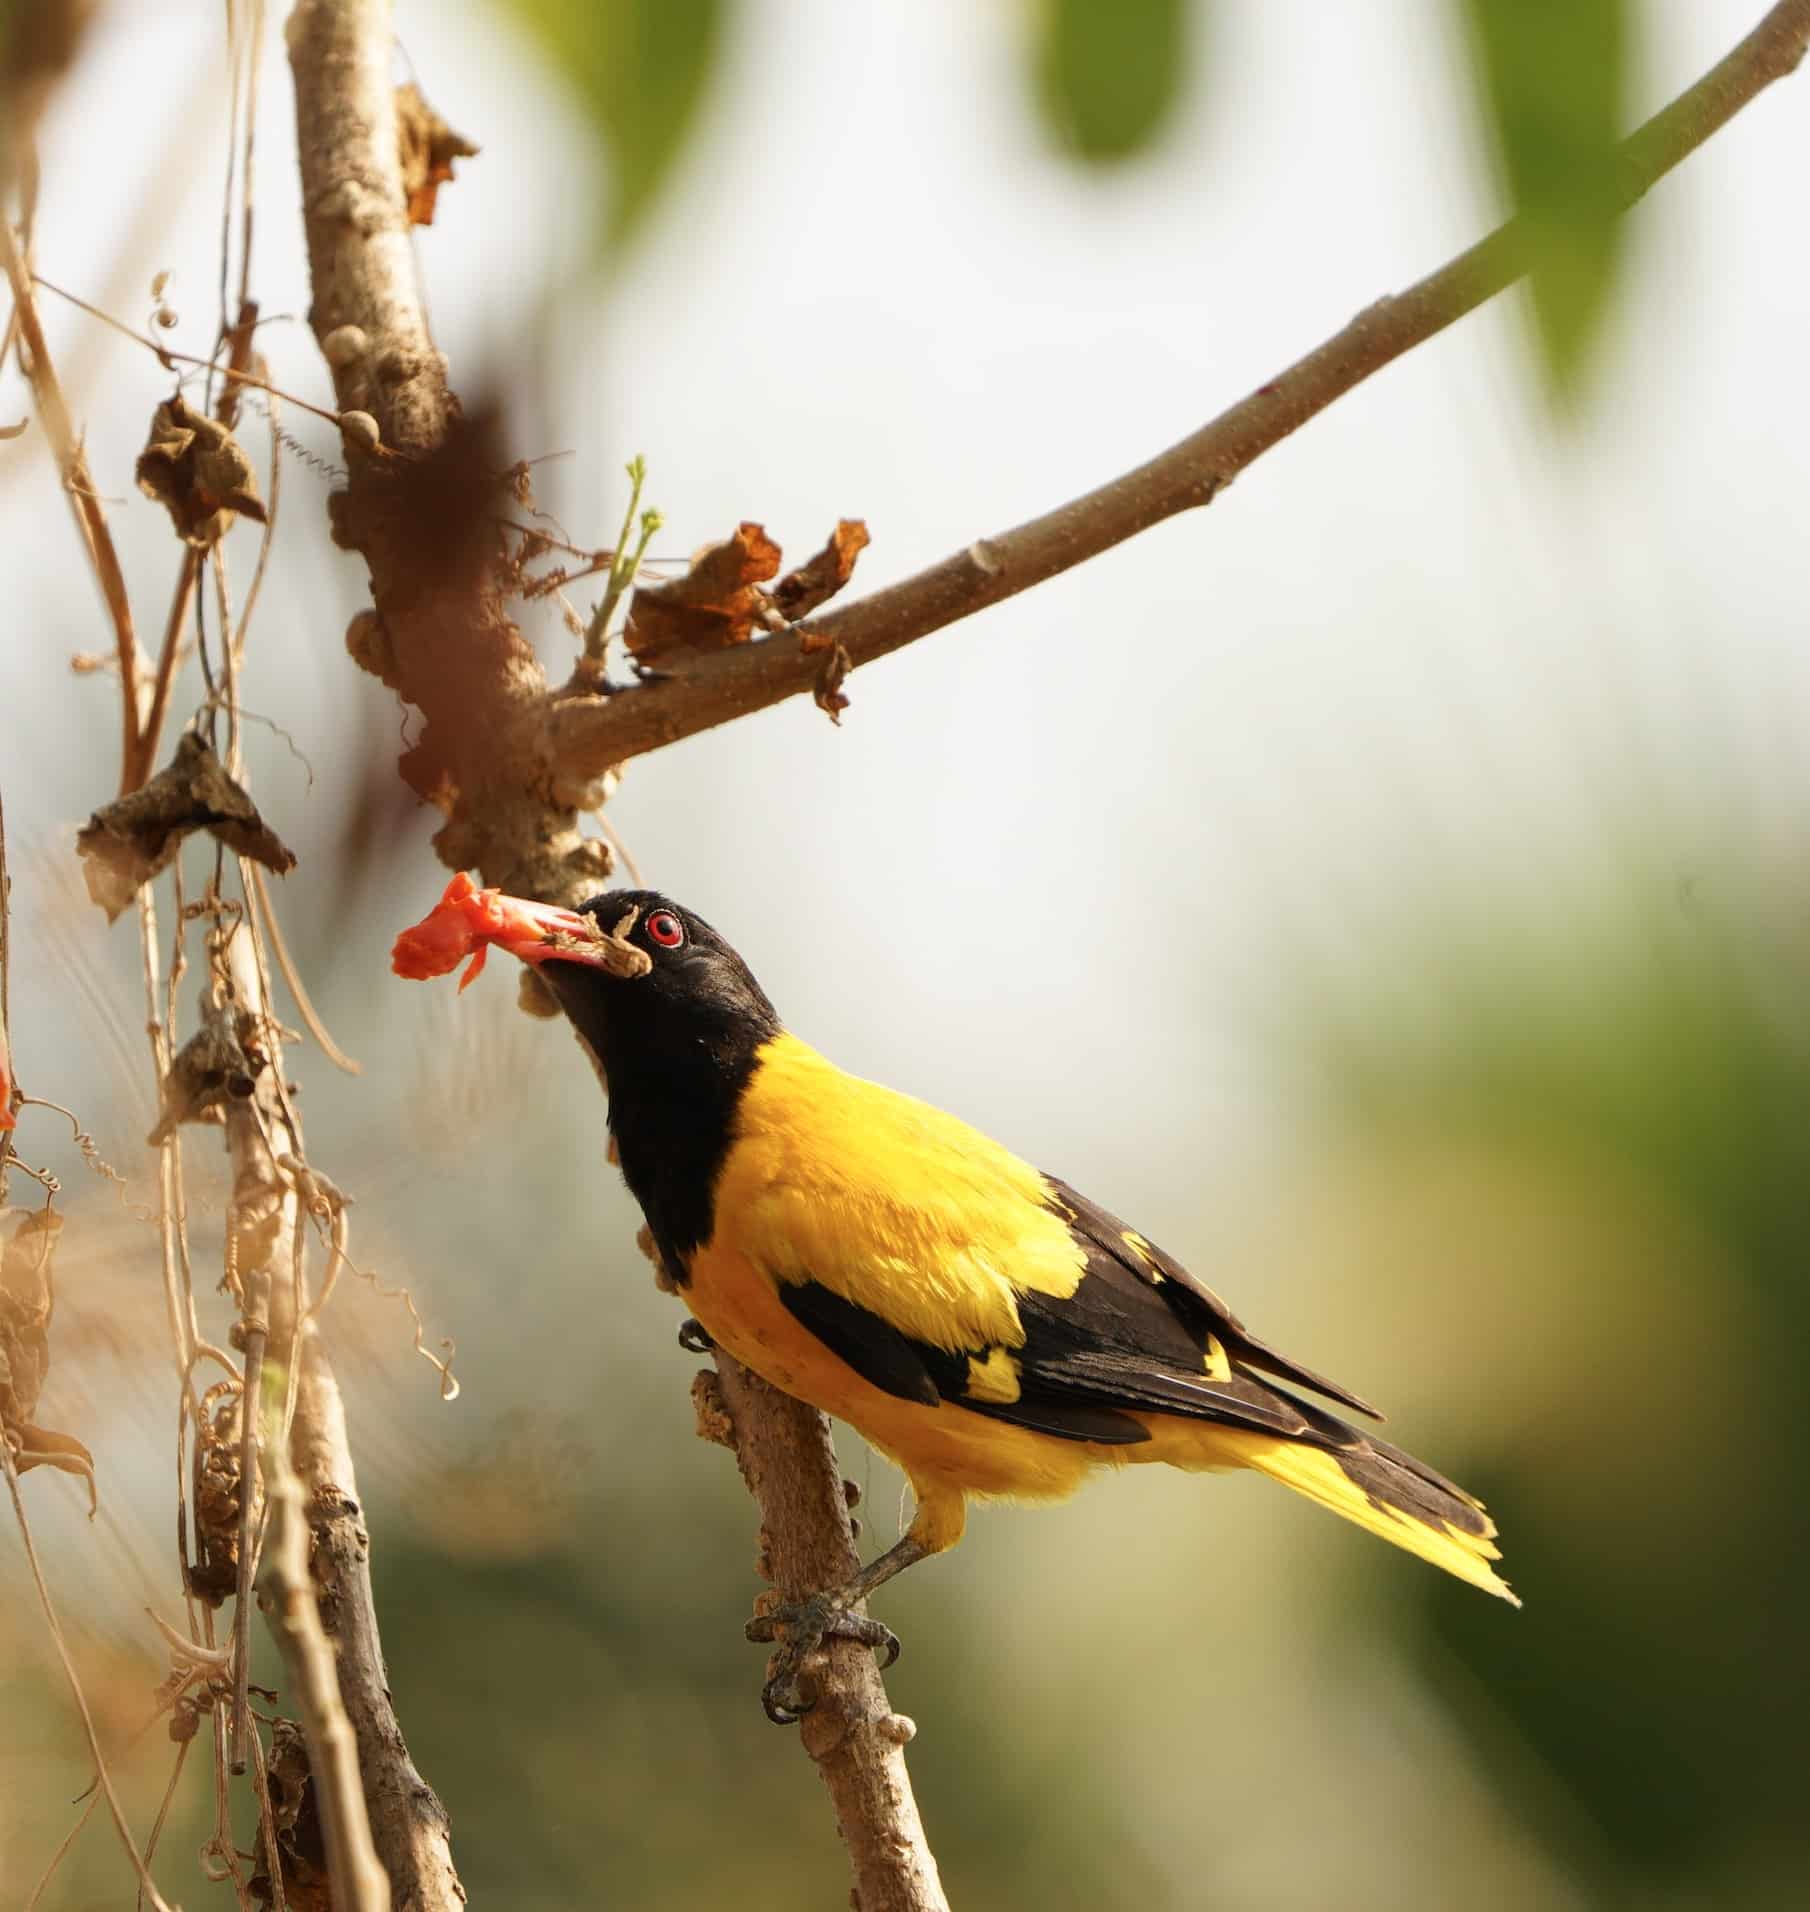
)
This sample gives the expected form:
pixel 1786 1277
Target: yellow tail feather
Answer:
pixel 1314 1472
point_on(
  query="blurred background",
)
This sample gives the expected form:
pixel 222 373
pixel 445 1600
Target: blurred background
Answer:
pixel 1388 888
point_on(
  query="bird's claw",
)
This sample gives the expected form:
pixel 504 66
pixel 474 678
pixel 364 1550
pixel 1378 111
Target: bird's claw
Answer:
pixel 694 1338
pixel 796 1629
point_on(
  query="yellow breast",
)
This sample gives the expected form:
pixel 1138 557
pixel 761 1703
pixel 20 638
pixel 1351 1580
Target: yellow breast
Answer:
pixel 889 1203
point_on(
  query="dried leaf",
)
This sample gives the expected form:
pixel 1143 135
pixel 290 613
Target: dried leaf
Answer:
pixel 195 468
pixel 827 692
pixel 27 1297
pixel 713 605
pixel 211 1068
pixel 213 1574
pixel 26 1300
pixel 429 146
pixel 126 843
pixel 301 1846
pixel 800 592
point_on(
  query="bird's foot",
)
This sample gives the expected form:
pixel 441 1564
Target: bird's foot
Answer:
pixel 695 1338
pixel 797 1628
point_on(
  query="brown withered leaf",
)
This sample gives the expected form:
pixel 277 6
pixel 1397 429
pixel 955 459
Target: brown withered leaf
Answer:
pixel 195 468
pixel 428 146
pixel 301 1846
pixel 126 843
pixel 827 693
pixel 713 605
pixel 27 1297
pixel 210 1069
pixel 800 592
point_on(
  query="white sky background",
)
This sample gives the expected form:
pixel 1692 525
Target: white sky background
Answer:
pixel 1044 871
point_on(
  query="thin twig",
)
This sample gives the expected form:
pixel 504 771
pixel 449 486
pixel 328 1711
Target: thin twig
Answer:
pixel 712 688
pixel 255 1317
pixel 286 1594
pixel 169 357
pixel 145 761
pixel 75 1685
pixel 79 486
pixel 625 561
pixel 304 1003
pixel 62 1851
pixel 184 591
pixel 267 1827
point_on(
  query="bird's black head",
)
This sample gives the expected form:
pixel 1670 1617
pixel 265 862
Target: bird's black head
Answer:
pixel 697 1002
pixel 675 1042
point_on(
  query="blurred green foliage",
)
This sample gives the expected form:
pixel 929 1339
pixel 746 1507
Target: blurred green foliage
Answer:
pixel 608 1733
pixel 641 69
pixel 1643 1081
pixel 1108 74
pixel 1108 77
pixel 1551 75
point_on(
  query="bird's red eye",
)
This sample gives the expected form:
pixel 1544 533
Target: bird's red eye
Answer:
pixel 664 928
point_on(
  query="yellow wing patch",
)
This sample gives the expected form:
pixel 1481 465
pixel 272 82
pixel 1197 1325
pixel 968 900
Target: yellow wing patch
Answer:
pixel 1215 1360
pixel 1145 1254
pixel 889 1203
pixel 997 1378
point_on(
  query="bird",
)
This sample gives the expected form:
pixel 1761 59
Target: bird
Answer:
pixel 986 1326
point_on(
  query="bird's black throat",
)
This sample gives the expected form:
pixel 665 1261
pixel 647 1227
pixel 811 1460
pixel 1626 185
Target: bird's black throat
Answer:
pixel 676 1049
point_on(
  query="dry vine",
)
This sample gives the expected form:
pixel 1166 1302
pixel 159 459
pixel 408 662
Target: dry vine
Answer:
pixel 236 1479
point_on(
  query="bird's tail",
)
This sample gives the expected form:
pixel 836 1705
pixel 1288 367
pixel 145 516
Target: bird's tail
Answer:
pixel 1377 1486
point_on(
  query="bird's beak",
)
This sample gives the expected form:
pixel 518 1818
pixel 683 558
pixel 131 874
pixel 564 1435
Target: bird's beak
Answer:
pixel 467 921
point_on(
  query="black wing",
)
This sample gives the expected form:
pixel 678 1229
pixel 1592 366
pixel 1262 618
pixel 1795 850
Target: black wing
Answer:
pixel 1139 1334
pixel 1114 1250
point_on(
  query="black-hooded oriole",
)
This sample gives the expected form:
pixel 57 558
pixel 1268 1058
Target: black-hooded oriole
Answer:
pixel 985 1326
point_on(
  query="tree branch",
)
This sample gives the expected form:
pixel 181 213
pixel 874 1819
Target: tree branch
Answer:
pixel 807 1544
pixel 441 635
pixel 512 763
pixel 588 733
pixel 286 1594
pixel 407 1823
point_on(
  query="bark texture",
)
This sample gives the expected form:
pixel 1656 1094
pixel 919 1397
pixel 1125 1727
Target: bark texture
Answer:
pixel 408 1825
pixel 421 510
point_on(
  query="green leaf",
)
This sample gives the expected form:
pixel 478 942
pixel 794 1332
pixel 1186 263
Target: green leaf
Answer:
pixel 1108 73
pixel 1551 74
pixel 640 68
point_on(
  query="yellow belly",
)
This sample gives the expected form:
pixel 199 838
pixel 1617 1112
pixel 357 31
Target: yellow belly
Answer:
pixel 941 1448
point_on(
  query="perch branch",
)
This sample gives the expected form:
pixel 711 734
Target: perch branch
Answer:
pixel 591 732
pixel 511 764
pixel 441 634
pixel 857 1741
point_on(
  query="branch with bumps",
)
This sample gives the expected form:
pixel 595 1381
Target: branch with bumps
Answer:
pixel 514 762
